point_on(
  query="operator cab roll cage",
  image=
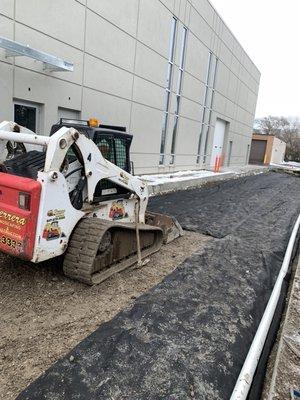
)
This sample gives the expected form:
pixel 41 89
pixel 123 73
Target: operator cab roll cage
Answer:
pixel 114 143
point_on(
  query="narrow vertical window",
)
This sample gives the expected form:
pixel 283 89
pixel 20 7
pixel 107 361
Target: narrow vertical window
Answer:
pixel 179 92
pixel 229 153
pixel 208 105
pixel 168 92
pixel 248 154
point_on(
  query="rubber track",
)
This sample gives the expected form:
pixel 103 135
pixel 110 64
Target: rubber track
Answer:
pixel 83 248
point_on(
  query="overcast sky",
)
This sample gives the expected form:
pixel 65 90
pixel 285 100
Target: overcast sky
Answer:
pixel 269 31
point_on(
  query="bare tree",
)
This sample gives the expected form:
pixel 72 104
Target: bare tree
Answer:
pixel 286 129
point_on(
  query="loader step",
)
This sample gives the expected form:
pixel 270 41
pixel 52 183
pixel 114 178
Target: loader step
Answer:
pixel 99 249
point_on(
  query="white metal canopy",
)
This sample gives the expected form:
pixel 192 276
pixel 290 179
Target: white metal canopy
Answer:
pixel 51 63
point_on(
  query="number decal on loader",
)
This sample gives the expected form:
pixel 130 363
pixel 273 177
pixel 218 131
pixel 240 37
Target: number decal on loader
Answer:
pixel 10 242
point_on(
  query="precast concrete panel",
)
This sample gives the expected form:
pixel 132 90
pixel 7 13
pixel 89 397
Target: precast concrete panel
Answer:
pixel 200 28
pixel 144 122
pixel 235 66
pixel 105 107
pixel 154 26
pixel 48 92
pixel 123 14
pixel 7 31
pixel 148 93
pixel 205 10
pixel 169 4
pixel 193 89
pixel 109 43
pixel 230 109
pixel 7 28
pixel 223 78
pixel 184 10
pixel 6 85
pixel 7 8
pixel 150 65
pixel 219 104
pixel 42 42
pixel 188 136
pixel 225 55
pixel 101 76
pixel 197 58
pixel 63 20
pixel 190 109
pixel 232 87
pixel 42 88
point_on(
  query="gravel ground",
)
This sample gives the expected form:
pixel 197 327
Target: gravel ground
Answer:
pixel 44 315
pixel 187 338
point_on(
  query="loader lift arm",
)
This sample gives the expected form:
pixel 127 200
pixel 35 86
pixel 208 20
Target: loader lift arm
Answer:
pixel 95 166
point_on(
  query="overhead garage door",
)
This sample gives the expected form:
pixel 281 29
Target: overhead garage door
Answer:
pixel 258 151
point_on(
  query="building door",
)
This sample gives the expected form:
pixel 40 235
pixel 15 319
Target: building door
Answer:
pixel 258 151
pixel 218 143
pixel 27 115
pixel 68 113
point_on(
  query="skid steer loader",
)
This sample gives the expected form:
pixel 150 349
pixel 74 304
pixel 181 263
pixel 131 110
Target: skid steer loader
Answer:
pixel 72 194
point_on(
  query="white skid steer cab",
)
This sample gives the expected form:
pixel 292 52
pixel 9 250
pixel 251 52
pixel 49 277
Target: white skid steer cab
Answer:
pixel 72 194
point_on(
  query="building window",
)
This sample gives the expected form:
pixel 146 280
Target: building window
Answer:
pixel 27 115
pixel 179 92
pixel 229 153
pixel 248 154
pixel 168 91
pixel 68 113
pixel 208 105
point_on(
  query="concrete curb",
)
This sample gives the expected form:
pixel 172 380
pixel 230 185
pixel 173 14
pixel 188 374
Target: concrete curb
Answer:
pixel 292 171
pixel 168 187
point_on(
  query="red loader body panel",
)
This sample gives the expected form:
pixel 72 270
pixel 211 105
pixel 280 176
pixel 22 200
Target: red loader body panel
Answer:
pixel 18 226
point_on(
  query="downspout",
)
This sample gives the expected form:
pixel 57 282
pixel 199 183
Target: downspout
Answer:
pixel 245 378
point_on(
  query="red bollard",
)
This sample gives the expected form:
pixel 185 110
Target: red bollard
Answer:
pixel 220 163
pixel 216 164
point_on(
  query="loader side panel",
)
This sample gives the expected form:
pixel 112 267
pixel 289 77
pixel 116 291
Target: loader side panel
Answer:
pixel 18 225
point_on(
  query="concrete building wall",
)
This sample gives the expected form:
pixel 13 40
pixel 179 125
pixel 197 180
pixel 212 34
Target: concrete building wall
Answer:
pixel 120 51
pixel 278 151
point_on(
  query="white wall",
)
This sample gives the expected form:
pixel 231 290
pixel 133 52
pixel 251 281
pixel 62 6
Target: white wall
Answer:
pixel 278 151
pixel 120 54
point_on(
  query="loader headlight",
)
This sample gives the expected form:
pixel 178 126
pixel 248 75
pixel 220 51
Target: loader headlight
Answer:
pixel 24 201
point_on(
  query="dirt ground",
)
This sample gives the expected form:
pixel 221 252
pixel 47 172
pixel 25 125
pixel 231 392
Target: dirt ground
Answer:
pixel 44 315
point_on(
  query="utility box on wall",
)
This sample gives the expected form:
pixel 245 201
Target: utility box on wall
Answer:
pixel 266 150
